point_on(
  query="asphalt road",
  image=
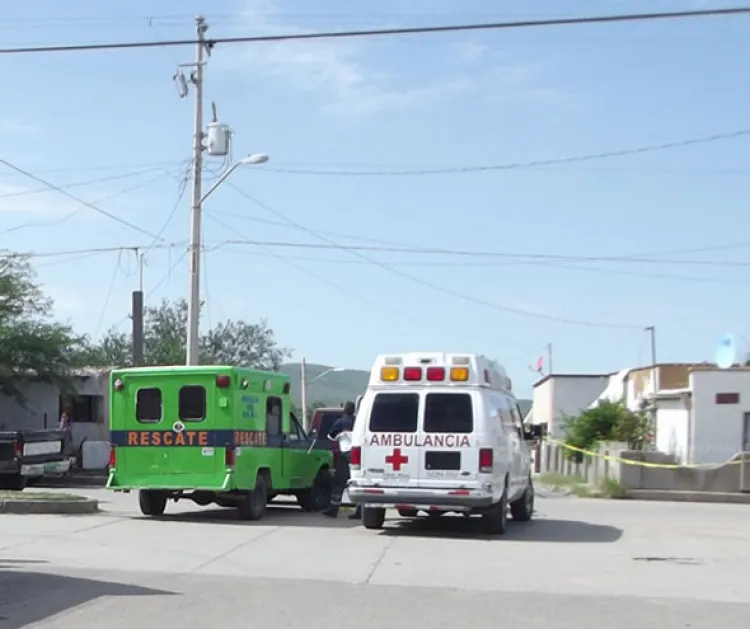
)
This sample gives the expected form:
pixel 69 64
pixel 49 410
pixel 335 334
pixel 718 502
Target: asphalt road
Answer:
pixel 582 564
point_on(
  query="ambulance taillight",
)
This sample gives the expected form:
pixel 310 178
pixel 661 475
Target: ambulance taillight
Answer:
pixel 223 381
pixel 485 461
pixel 112 457
pixel 355 457
pixel 435 374
pixel 412 373
pixel 229 456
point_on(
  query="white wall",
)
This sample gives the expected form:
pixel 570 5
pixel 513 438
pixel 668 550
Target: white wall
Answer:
pixel 672 428
pixel 564 395
pixel 717 428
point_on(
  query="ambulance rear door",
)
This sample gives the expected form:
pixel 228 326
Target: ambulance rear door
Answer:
pixel 390 456
pixel 449 456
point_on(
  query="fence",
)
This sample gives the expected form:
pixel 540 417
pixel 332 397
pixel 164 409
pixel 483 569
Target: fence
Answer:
pixel 634 469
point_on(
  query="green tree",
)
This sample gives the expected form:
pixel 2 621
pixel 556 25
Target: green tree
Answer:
pixel 608 421
pixel 165 339
pixel 32 345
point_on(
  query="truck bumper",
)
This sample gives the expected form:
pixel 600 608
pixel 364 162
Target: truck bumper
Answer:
pixel 41 469
pixel 398 497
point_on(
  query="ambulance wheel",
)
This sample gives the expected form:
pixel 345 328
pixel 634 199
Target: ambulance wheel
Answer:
pixel 495 521
pixel 253 506
pixel 152 502
pixel 317 497
pixel 523 508
pixel 373 517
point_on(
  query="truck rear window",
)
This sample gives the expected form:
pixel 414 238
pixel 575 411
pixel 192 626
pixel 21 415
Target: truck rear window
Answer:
pixel 192 403
pixel 448 412
pixel 148 406
pixel 324 422
pixel 394 412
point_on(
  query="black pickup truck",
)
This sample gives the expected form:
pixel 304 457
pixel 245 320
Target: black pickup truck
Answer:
pixel 28 455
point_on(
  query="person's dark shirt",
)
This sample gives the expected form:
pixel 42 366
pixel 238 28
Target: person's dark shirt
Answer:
pixel 342 424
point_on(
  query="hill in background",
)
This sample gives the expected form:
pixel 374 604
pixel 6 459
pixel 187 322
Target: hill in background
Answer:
pixel 336 387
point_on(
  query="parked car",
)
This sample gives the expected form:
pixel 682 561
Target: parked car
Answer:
pixel 28 455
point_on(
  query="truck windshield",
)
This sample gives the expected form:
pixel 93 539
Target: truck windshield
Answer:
pixel 448 412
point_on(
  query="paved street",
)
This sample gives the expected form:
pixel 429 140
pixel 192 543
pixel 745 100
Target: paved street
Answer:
pixel 582 564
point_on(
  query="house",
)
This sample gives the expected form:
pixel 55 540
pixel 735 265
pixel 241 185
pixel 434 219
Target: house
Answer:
pixel 701 413
pixel 88 407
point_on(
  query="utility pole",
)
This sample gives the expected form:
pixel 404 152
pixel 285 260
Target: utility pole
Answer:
pixel 549 358
pixel 303 392
pixel 194 295
pixel 652 332
pixel 137 314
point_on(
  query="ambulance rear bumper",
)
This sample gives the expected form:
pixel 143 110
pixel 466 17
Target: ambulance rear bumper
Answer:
pixel 392 496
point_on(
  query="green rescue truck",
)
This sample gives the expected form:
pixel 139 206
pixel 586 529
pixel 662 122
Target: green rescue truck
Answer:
pixel 212 434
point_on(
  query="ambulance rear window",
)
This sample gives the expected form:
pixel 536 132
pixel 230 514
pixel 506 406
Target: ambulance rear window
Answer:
pixel 394 412
pixel 148 406
pixel 192 403
pixel 448 412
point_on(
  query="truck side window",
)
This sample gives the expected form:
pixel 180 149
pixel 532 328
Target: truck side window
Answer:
pixel 148 406
pixel 273 416
pixel 192 403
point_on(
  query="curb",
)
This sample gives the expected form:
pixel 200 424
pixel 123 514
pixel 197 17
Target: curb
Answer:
pixel 49 507
pixel 659 495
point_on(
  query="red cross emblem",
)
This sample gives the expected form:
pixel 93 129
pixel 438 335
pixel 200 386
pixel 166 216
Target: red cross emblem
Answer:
pixel 396 459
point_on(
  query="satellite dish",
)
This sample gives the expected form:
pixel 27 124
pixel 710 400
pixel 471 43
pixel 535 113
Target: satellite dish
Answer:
pixel 726 352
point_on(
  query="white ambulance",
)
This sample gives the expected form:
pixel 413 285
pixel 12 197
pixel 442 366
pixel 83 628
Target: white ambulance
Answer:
pixel 440 433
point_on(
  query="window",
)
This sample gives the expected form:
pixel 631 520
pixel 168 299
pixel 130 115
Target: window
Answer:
pixel 394 412
pixel 324 421
pixel 192 403
pixel 148 406
pixel 448 412
pixel 295 429
pixel 273 416
pixel 727 398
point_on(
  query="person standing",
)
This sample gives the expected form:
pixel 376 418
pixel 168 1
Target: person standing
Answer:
pixel 345 423
pixel 66 427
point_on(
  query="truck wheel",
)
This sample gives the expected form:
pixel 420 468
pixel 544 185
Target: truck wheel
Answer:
pixel 373 517
pixel 152 502
pixel 408 513
pixel 523 508
pixel 253 507
pixel 495 521
pixel 13 483
pixel 317 497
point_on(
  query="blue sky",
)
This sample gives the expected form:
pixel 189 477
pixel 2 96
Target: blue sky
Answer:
pixel 389 104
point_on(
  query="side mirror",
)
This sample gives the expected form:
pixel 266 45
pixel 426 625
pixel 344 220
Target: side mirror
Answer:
pixel 313 434
pixel 533 432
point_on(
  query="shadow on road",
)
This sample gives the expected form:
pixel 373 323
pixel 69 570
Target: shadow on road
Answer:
pixel 543 530
pixel 27 597
pixel 274 516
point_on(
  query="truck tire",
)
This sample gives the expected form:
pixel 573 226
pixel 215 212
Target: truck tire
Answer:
pixel 373 517
pixel 495 521
pixel 523 509
pixel 13 483
pixel 317 497
pixel 152 503
pixel 253 507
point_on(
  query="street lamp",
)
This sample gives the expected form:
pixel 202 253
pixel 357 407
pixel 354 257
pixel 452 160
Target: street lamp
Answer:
pixel 195 252
pixel 303 387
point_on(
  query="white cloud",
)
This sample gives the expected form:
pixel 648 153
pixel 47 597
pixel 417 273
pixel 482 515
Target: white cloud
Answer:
pixel 9 126
pixel 336 68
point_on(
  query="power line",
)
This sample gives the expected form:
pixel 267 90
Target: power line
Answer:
pixel 69 215
pixel 64 192
pixel 110 290
pixel 437 287
pixel 457 252
pixel 383 32
pixel 455 170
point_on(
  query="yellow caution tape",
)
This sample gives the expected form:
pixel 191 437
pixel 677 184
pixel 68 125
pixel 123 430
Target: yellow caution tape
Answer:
pixel 666 466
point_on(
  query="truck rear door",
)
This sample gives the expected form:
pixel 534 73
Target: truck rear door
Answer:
pixel 174 426
pixel 448 456
pixel 391 454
